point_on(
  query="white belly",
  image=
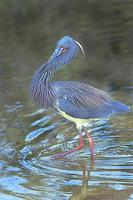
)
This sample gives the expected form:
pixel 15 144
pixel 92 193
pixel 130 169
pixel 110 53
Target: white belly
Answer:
pixel 79 122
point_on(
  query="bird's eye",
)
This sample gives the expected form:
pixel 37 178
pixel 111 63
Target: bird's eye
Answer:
pixel 63 49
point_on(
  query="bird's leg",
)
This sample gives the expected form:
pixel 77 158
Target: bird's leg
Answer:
pixel 81 144
pixel 90 142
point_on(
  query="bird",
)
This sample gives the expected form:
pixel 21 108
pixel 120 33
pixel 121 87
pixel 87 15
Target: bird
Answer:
pixel 76 101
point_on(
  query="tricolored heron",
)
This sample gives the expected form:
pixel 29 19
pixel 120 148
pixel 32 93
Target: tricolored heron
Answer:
pixel 76 101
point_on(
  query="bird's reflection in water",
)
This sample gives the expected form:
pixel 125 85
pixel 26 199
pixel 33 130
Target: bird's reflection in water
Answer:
pixel 85 191
pixel 81 192
pixel 86 172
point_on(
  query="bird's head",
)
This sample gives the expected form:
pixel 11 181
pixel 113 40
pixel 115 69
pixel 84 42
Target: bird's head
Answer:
pixel 66 50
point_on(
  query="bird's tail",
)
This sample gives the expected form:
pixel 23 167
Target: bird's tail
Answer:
pixel 120 107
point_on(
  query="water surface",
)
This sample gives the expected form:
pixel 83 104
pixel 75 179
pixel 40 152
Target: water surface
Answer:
pixel 30 136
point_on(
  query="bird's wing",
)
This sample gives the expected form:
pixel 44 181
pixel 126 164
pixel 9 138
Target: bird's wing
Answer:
pixel 83 101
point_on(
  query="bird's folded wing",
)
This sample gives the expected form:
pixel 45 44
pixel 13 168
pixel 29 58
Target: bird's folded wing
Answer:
pixel 80 100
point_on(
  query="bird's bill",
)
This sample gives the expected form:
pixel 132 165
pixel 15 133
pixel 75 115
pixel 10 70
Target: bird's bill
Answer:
pixel 80 46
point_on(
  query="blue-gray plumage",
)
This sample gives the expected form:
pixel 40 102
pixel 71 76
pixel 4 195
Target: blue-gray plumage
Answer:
pixel 76 101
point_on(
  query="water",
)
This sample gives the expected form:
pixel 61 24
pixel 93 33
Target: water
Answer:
pixel 29 139
pixel 30 136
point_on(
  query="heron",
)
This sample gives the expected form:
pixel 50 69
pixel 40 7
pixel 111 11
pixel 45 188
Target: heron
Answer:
pixel 76 101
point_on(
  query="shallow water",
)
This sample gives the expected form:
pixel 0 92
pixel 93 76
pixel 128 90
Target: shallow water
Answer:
pixel 30 137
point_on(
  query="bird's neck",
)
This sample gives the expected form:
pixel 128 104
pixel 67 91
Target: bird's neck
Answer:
pixel 41 90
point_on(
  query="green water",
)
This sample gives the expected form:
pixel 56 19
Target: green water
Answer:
pixel 30 136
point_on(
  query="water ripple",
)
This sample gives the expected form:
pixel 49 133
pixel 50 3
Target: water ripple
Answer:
pixel 113 158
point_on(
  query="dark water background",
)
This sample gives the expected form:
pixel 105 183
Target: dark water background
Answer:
pixel 29 136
